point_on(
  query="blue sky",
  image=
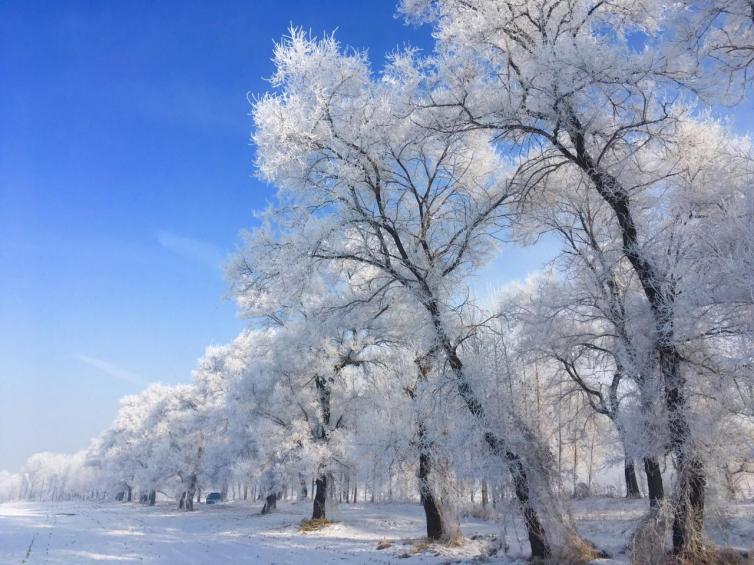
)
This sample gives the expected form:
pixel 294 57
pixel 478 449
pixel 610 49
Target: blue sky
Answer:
pixel 125 177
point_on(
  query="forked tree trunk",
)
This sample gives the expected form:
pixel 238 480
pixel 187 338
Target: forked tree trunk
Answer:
pixel 320 498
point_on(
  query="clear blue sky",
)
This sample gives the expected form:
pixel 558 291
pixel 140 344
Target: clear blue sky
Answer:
pixel 125 177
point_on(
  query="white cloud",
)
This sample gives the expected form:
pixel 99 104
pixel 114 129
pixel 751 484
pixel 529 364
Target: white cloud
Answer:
pixel 112 370
pixel 193 249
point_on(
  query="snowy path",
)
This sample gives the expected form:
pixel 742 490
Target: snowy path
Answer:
pixel 80 532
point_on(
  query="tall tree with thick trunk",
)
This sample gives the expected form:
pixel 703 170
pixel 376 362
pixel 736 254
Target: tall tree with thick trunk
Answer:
pixel 400 212
pixel 561 81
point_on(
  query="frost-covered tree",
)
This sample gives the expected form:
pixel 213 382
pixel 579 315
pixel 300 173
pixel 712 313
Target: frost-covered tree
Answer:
pixel 123 451
pixel 560 324
pixel 400 210
pixel 321 344
pixel 580 86
pixel 715 40
pixel 53 476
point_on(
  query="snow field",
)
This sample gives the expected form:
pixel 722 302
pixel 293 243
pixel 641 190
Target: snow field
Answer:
pixel 87 532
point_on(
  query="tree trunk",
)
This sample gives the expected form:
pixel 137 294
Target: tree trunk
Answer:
pixel 129 493
pixel 485 496
pixel 688 517
pixel 303 493
pixel 320 486
pixel 320 498
pixel 435 525
pixel 152 497
pixel 574 471
pixel 540 547
pixel 688 520
pixel 590 470
pixel 270 503
pixel 437 528
pixel 182 500
pixel 629 466
pixel 656 490
pixel 632 485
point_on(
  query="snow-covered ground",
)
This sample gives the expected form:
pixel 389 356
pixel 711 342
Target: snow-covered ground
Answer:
pixel 86 532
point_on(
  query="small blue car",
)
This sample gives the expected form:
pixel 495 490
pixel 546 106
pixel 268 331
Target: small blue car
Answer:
pixel 214 498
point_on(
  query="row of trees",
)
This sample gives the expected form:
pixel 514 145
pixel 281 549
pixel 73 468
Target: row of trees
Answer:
pixel 369 367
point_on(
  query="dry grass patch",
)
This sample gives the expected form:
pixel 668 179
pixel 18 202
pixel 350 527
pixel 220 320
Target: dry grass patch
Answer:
pixel 421 546
pixel 647 543
pixel 426 545
pixel 713 556
pixel 314 525
pixel 648 546
pixel 576 551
